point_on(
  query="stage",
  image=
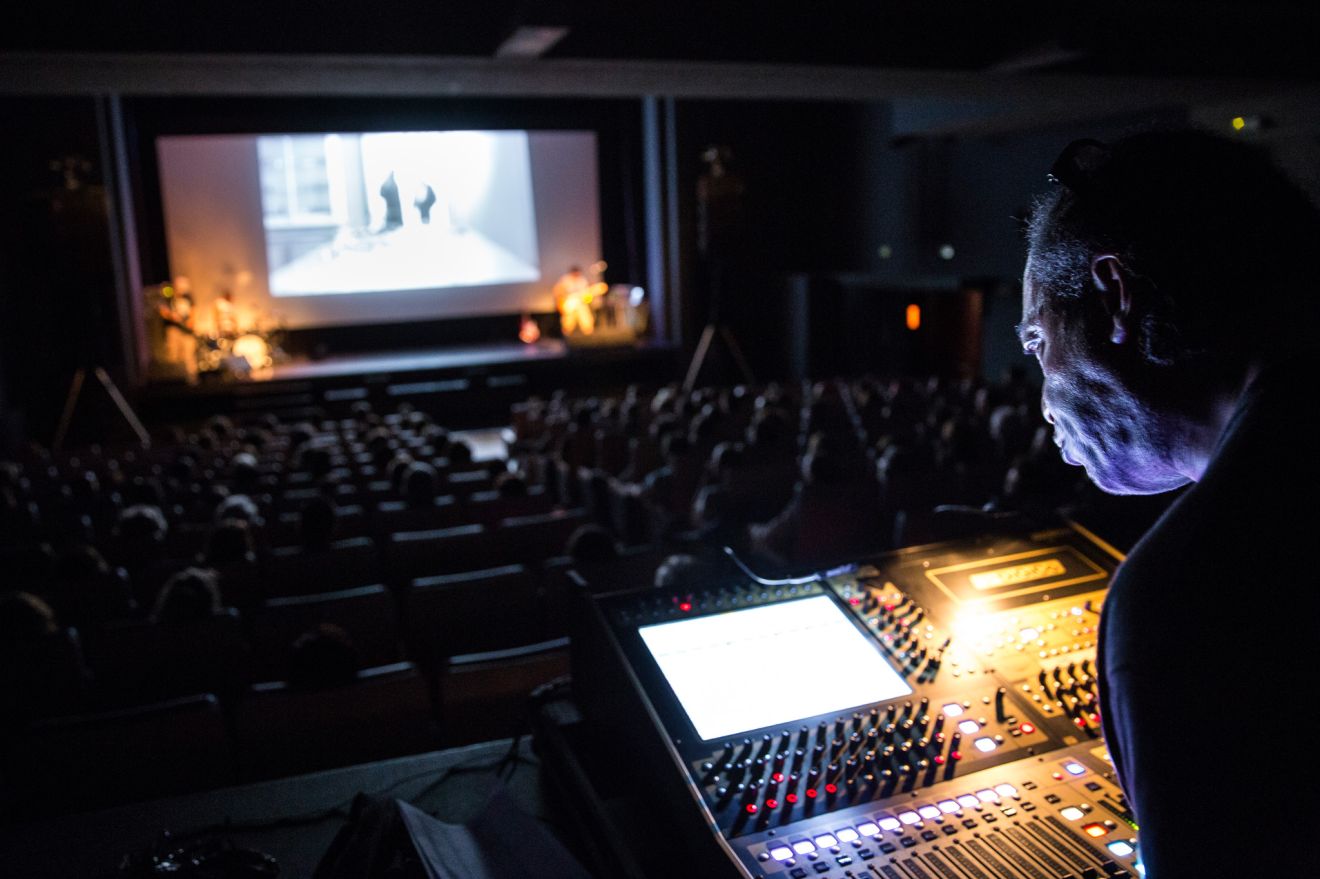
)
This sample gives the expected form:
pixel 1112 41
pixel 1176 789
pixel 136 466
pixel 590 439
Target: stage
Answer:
pixel 417 361
pixel 464 385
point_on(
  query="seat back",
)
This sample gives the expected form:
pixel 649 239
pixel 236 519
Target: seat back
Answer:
pixel 344 564
pixel 484 696
pixel 43 676
pixel 472 612
pixel 93 761
pixel 441 551
pixel 137 662
pixel 385 712
pixel 368 614
pixel 395 516
pixel 533 539
pixel 284 529
pixel 488 508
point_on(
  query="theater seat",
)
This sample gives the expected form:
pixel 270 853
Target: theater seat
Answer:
pixel 471 612
pixel 536 538
pixel 343 564
pixel 464 483
pixel 384 713
pixel 41 677
pixel 285 529
pixel 93 761
pixel 137 662
pixel 485 696
pixel 396 516
pixel 441 551
pixel 367 614
pixel 488 507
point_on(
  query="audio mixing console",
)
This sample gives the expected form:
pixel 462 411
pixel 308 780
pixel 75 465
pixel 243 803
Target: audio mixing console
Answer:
pixel 928 713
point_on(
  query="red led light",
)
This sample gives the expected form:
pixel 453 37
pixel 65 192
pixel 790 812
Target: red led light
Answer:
pixel 777 777
pixel 772 804
pixel 811 793
pixel 831 788
pixel 1079 723
pixel 685 606
pixel 939 759
pixel 955 755
pixel 751 808
pixel 1028 728
pixel 1095 830
pixel 889 607
pixel 854 601
pixel 791 799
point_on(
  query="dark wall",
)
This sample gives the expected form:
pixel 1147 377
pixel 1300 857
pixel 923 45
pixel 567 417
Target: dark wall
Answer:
pixel 807 169
pixel 57 297
pixel 988 184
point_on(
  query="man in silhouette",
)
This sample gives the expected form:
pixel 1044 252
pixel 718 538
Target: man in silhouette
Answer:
pixel 389 190
pixel 1169 298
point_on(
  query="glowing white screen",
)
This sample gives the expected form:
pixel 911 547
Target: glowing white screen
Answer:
pixel 764 666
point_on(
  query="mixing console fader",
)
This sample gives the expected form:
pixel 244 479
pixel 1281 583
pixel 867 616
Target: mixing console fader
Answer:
pixel 928 713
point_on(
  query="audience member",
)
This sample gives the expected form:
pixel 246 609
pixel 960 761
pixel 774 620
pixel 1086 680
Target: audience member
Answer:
pixel 190 596
pixel 25 617
pixel 323 657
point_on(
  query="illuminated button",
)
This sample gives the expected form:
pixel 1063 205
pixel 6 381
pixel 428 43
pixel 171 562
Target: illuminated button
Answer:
pixel 947 806
pixel 967 801
pixel 870 828
pixel 1074 768
pixel 782 853
pixel 1027 728
pixel 847 834
pixel 805 847
pixel 985 744
pixel 909 817
pixel 1006 790
pixel 1072 813
pixel 1029 634
pixel 825 840
pixel 1120 849
pixel 953 709
pixel 890 824
pixel 987 796
pixel 930 813
pixel 969 726
pixel 1094 830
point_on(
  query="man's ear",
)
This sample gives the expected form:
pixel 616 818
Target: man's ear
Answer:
pixel 1114 285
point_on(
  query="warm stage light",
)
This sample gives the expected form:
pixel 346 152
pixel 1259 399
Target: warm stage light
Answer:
pixel 253 349
pixel 1239 123
pixel 528 331
pixel 914 317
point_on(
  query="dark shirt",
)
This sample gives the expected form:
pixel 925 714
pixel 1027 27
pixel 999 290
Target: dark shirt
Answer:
pixel 1208 645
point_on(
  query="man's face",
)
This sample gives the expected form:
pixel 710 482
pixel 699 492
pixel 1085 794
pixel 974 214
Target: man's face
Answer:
pixel 1099 422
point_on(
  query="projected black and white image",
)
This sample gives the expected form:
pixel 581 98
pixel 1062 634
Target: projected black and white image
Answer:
pixel 397 211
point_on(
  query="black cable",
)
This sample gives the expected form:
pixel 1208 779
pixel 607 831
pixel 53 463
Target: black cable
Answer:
pixel 788 581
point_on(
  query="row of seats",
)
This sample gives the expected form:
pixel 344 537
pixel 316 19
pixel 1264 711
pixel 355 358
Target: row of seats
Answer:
pixel 190 743
pixel 432 619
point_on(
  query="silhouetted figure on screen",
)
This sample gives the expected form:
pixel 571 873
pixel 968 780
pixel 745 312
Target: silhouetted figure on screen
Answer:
pixel 389 190
pixel 424 201
pixel 1169 297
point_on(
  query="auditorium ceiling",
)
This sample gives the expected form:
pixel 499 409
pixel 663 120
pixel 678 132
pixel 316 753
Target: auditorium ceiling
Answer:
pixel 1201 38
